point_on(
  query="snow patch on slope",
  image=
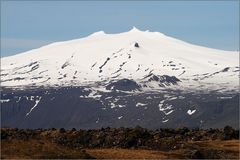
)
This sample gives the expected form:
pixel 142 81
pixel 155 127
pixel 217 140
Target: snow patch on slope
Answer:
pixel 35 105
pixel 140 104
pixel 190 112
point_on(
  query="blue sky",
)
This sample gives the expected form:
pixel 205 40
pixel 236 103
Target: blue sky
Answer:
pixel 27 25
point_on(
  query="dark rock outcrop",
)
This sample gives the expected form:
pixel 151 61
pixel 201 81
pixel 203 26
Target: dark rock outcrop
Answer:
pixel 123 85
pixel 136 45
pixel 163 80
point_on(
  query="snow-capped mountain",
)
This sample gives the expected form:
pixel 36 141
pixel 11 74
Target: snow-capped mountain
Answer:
pixel 127 79
pixel 132 55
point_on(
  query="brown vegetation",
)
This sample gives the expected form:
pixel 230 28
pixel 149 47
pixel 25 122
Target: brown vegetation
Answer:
pixel 38 149
pixel 229 149
pixel 122 143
